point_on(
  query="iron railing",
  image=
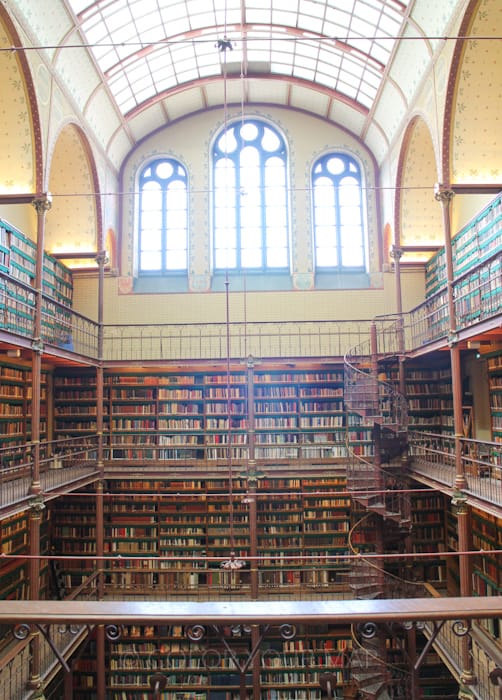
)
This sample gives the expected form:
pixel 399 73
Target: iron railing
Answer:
pixel 61 462
pixel 433 455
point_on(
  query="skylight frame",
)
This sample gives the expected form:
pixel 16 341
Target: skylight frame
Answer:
pixel 357 49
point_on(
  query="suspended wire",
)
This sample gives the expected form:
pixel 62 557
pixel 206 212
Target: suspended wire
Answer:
pixel 279 38
pixel 291 190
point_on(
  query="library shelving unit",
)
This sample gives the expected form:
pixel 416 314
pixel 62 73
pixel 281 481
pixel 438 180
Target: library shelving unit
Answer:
pixel 205 670
pixel 487 568
pixel 474 244
pixel 300 662
pixel 75 406
pixel 495 389
pixel 15 403
pixel 18 255
pixel 325 529
pixel 73 531
pixel 359 436
pixel 132 409
pixel 13 572
pixel 428 535
pixel 322 413
pixel 192 415
pixel 14 540
pixel 221 405
pixel 280 527
pixel 167 537
pixel 299 413
pixel 429 396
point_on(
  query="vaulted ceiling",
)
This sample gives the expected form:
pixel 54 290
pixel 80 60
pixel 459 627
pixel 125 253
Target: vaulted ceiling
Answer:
pixel 147 63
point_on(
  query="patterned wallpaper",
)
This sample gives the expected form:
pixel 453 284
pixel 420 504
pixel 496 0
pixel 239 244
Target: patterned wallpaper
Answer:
pixel 421 220
pixel 477 118
pixel 71 222
pixel 17 173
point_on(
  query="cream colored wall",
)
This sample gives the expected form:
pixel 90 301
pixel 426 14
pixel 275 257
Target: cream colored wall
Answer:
pixel 309 305
pixel 22 217
pixel 466 207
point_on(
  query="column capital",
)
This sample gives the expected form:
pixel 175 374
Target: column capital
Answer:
pixel 101 257
pixel 442 193
pixel 36 505
pixel 42 203
pixel 396 253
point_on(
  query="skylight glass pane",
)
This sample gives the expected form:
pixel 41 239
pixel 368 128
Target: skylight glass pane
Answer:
pixel 120 29
pixel 369 11
pixel 305 50
pixel 312 24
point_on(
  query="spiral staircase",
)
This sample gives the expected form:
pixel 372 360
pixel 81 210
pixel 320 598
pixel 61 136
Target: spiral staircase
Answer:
pixel 378 492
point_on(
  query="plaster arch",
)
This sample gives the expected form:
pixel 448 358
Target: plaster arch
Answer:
pixel 21 159
pixel 418 218
pixel 473 121
pixel 75 220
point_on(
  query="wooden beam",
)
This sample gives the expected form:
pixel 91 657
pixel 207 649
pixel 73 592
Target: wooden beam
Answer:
pixel 26 198
pixel 475 188
pixel 271 612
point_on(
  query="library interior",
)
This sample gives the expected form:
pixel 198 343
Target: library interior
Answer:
pixel 251 431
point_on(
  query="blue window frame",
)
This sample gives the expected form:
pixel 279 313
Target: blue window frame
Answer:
pixel 250 206
pixel 338 215
pixel 163 218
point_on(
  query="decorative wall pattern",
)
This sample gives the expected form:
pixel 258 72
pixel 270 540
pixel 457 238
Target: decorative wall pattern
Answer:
pixel 71 222
pixel 421 221
pixel 477 121
pixel 17 168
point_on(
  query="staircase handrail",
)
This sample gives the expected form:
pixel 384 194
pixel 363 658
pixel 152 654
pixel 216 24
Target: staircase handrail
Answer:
pixel 379 396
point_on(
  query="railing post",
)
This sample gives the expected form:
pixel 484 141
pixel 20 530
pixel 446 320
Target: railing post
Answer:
pixel 444 196
pixel 36 509
pixel 459 502
pixel 42 205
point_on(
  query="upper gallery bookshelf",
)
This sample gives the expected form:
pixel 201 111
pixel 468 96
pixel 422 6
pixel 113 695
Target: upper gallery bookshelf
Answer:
pixel 201 412
pixel 476 243
pixel 18 255
pixel 495 388
pixel 429 395
pixel 15 404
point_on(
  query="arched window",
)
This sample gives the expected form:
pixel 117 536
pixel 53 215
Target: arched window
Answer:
pixel 250 208
pixel 163 218
pixel 338 213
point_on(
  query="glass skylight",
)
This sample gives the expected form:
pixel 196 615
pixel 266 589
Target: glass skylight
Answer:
pixel 145 48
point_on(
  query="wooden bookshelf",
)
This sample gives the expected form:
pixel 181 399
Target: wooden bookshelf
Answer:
pixel 75 407
pixel 487 568
pixel 18 255
pixel 14 584
pixel 171 535
pixel 73 531
pixel 429 395
pixel 15 403
pixel 168 537
pixel 204 669
pixel 495 392
pixel 475 244
pixel 428 535
pixel 193 415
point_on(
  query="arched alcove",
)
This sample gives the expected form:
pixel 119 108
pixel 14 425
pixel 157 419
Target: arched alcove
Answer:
pixel 17 135
pixel 74 222
pixel 419 215
pixel 476 117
